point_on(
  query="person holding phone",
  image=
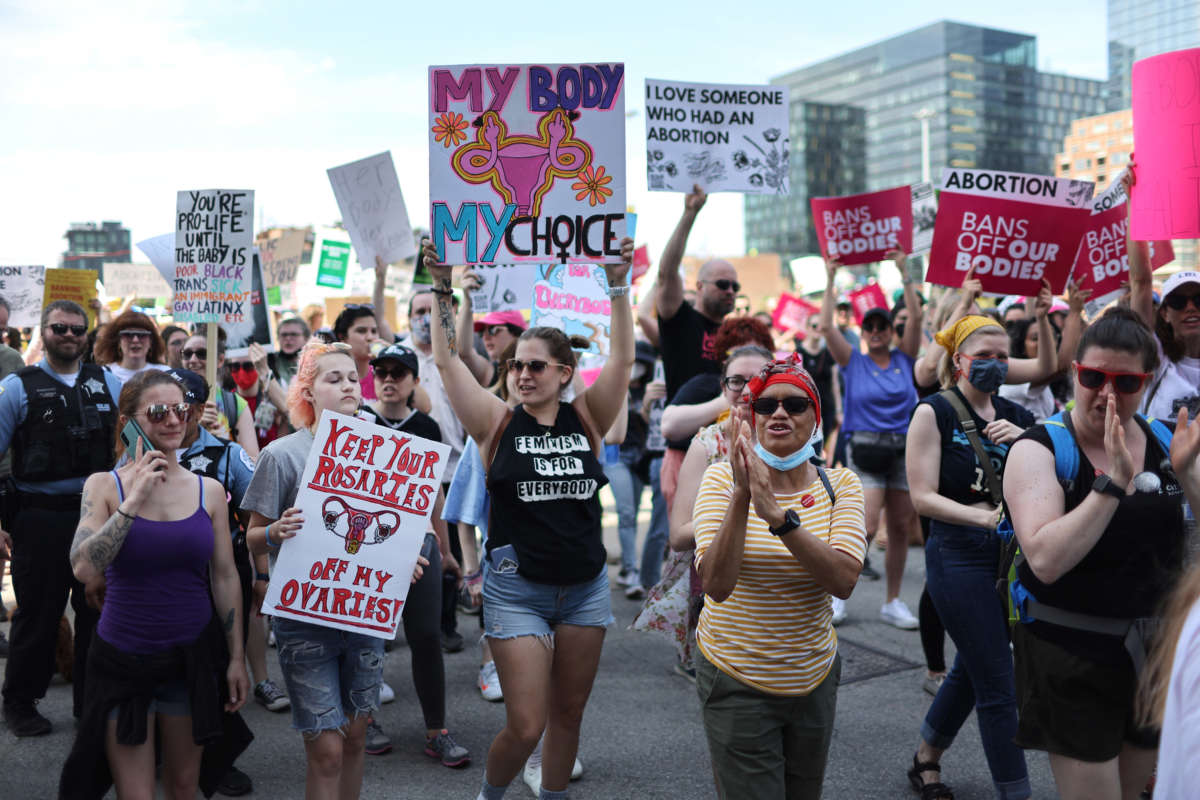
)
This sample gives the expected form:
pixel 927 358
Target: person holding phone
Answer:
pixel 157 657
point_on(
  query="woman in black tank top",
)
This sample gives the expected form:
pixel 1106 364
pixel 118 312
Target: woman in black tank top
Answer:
pixel 545 586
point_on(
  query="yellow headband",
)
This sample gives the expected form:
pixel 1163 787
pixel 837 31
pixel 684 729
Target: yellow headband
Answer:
pixel 952 338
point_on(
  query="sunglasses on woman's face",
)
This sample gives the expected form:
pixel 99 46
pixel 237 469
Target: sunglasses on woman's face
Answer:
pixel 242 366
pixel 59 329
pixel 1122 382
pixel 158 412
pixel 134 334
pixel 200 353
pixel 875 326
pixel 536 366
pixel 393 373
pixel 794 405
pixel 1179 301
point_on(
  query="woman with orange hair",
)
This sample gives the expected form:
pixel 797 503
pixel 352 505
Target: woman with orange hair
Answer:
pixel 130 344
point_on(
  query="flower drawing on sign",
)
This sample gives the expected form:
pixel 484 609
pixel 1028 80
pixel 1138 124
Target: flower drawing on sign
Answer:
pixel 657 168
pixel 740 160
pixel 705 167
pixel 450 129
pixel 352 524
pixel 522 168
pixel 591 184
pixel 772 167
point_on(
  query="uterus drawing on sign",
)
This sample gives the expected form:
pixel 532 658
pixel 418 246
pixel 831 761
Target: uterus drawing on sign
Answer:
pixel 353 525
pixel 522 168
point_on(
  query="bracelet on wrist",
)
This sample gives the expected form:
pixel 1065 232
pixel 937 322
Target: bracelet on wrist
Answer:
pixel 618 291
pixel 129 517
pixel 269 542
pixel 262 576
pixel 446 292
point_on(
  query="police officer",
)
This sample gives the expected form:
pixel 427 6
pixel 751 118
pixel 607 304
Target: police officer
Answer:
pixel 59 416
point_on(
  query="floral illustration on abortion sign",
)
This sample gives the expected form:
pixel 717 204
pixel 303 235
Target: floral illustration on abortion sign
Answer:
pixel 366 494
pixel 527 163
pixel 214 234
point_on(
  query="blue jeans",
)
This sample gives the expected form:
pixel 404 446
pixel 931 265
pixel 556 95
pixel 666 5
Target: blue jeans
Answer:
pixel 654 551
pixel 627 491
pixel 960 572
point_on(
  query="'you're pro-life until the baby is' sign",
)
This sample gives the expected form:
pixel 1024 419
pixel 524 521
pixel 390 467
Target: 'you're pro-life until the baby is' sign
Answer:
pixel 366 495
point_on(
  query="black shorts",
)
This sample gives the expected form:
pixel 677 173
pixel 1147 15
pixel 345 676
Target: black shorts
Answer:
pixel 1073 706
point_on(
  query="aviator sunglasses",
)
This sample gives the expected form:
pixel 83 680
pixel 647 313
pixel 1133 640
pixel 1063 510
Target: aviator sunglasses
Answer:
pixel 765 406
pixel 1122 382
pixel 158 412
pixel 536 366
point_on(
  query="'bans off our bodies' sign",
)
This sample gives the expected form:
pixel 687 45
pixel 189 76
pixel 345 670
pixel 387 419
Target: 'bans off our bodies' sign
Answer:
pixel 862 228
pixel 1013 228
pixel 366 494
pixel 214 234
pixel 527 163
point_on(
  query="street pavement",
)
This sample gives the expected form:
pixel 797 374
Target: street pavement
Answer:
pixel 642 736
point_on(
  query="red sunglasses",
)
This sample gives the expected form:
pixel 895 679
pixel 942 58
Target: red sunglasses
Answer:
pixel 1123 382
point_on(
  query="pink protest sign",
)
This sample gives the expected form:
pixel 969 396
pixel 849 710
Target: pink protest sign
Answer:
pixel 864 299
pixel 1014 229
pixel 1166 135
pixel 641 262
pixel 1102 263
pixel 862 228
pixel 792 313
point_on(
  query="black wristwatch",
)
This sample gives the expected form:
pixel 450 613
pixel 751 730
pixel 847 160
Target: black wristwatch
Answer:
pixel 262 576
pixel 1104 485
pixel 791 521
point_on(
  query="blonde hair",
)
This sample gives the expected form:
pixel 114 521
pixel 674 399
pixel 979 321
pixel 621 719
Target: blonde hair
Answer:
pixel 1156 676
pixel 945 370
pixel 300 409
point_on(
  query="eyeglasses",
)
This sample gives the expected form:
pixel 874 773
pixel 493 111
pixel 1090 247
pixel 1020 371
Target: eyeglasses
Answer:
pixel 243 366
pixel 59 329
pixel 131 333
pixel 1179 302
pixel 394 373
pixel 726 285
pixel 290 333
pixel 734 383
pixel 494 330
pixel 200 353
pixel 158 412
pixel 1122 382
pixel 536 366
pixel 793 405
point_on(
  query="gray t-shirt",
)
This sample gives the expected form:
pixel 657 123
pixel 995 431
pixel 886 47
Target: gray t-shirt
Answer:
pixel 277 474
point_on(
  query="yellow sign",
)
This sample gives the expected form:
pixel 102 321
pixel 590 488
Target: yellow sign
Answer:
pixel 78 285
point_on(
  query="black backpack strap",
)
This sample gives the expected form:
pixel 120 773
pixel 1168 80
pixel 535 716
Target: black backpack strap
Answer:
pixel 968 425
pixel 824 476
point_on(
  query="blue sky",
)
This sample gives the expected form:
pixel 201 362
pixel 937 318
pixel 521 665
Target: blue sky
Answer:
pixel 110 108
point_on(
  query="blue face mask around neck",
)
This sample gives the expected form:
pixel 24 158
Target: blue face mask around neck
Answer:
pixel 786 463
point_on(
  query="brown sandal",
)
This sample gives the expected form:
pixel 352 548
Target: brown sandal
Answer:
pixel 928 791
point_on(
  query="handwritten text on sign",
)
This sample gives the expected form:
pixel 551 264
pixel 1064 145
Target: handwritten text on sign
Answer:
pixel 214 231
pixel 373 211
pixel 366 495
pixel 862 228
pixel 574 299
pixel 1166 135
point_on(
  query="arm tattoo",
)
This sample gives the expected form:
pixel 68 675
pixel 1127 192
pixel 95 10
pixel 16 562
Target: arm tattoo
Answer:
pixel 101 547
pixel 445 310
pixel 228 624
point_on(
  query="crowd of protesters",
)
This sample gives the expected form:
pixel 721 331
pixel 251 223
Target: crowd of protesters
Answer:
pixel 1047 459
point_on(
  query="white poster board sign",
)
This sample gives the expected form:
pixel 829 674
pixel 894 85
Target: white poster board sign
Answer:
pixel 574 298
pixel 22 286
pixel 135 280
pixel 505 287
pixel 214 259
pixel 373 211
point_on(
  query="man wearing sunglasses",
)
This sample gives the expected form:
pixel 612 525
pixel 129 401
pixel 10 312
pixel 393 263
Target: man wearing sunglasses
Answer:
pixel 59 416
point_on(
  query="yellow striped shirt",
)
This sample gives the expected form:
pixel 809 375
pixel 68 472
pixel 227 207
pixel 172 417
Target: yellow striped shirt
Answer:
pixel 775 631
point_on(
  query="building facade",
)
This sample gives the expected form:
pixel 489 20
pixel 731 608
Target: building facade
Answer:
pixel 990 109
pixel 1142 28
pixel 89 246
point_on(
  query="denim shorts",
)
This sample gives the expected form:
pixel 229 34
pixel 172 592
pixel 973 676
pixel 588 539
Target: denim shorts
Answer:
pixel 332 675
pixel 514 606
pixel 895 477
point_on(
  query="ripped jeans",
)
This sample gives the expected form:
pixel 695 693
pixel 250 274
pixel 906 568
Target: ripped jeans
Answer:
pixel 332 676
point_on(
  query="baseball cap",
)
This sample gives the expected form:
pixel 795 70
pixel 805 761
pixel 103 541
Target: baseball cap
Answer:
pixel 501 318
pixel 1179 279
pixel 400 353
pixel 877 312
pixel 195 390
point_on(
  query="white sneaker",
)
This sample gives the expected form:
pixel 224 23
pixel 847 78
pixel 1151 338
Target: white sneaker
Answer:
pixel 839 611
pixel 386 693
pixel 489 683
pixel 576 770
pixel 628 577
pixel 897 615
pixel 532 775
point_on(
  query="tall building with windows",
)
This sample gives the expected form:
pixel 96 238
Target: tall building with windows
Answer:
pixel 1142 28
pixel 89 246
pixel 990 108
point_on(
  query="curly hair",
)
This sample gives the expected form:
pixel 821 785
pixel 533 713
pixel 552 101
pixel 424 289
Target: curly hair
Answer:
pixel 737 331
pixel 108 344
pixel 300 409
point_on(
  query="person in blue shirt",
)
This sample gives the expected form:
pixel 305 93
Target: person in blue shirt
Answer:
pixel 59 416
pixel 879 399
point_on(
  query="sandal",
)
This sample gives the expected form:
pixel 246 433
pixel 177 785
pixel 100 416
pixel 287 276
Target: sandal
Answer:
pixel 928 791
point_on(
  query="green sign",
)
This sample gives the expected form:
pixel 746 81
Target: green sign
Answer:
pixel 331 268
pixel 274 296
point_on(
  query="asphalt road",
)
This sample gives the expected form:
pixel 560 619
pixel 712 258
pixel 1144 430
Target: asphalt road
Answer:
pixel 642 736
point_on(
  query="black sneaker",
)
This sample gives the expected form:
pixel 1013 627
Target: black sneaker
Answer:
pixel 452 642
pixel 24 720
pixel 235 783
pixel 868 572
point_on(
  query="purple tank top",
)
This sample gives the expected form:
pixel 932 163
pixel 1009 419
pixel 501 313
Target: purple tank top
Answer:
pixel 157 596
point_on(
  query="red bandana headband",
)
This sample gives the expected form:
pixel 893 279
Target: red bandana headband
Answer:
pixel 787 370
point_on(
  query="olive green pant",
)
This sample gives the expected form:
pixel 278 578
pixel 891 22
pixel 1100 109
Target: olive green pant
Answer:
pixel 763 746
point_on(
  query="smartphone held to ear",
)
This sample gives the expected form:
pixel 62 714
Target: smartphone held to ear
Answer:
pixel 130 435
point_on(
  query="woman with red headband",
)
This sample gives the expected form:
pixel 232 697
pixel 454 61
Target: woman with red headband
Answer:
pixel 776 535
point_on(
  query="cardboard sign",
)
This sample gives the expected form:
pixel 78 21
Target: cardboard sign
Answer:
pixel 1166 114
pixel 76 285
pixel 367 492
pixel 505 287
pixel 726 138
pixel 791 313
pixel 254 325
pixel 214 238
pixel 864 299
pixel 22 286
pixel 527 163
pixel 862 228
pixel 1013 228
pixel 373 211
pixel 924 215
pixel 135 280
pixel 1102 263
pixel 574 299
pixel 280 257
pixel 332 256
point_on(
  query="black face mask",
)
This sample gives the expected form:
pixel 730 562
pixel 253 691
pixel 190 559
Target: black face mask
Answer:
pixel 900 330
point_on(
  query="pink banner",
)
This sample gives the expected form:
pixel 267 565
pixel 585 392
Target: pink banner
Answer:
pixel 641 262
pixel 792 313
pixel 1102 263
pixel 862 228
pixel 1166 135
pixel 864 299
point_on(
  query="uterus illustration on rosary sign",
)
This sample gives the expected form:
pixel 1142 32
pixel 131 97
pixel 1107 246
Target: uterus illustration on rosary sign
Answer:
pixel 355 526
pixel 522 168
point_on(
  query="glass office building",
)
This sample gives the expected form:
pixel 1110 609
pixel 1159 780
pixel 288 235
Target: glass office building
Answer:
pixel 990 106
pixel 1143 28
pixel 90 245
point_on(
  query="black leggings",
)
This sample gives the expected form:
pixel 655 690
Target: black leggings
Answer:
pixel 422 615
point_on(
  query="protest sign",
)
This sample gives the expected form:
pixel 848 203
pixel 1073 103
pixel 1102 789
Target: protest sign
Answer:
pixel 76 285
pixel 21 286
pixel 280 257
pixel 161 252
pixel 1166 118
pixel 255 324
pixel 862 228
pixel 641 263
pixel 1014 229
pixel 503 287
pixel 1102 263
pixel 373 211
pixel 135 280
pixel 527 163
pixel 332 256
pixel 791 313
pixel 214 236
pixel 924 215
pixel 724 137
pixel 864 299
pixel 574 299
pixel 366 494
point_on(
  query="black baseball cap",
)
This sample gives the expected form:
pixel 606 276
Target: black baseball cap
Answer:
pixel 195 390
pixel 877 312
pixel 402 354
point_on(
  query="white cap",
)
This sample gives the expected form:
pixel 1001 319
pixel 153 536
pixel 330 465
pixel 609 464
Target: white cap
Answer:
pixel 1179 279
